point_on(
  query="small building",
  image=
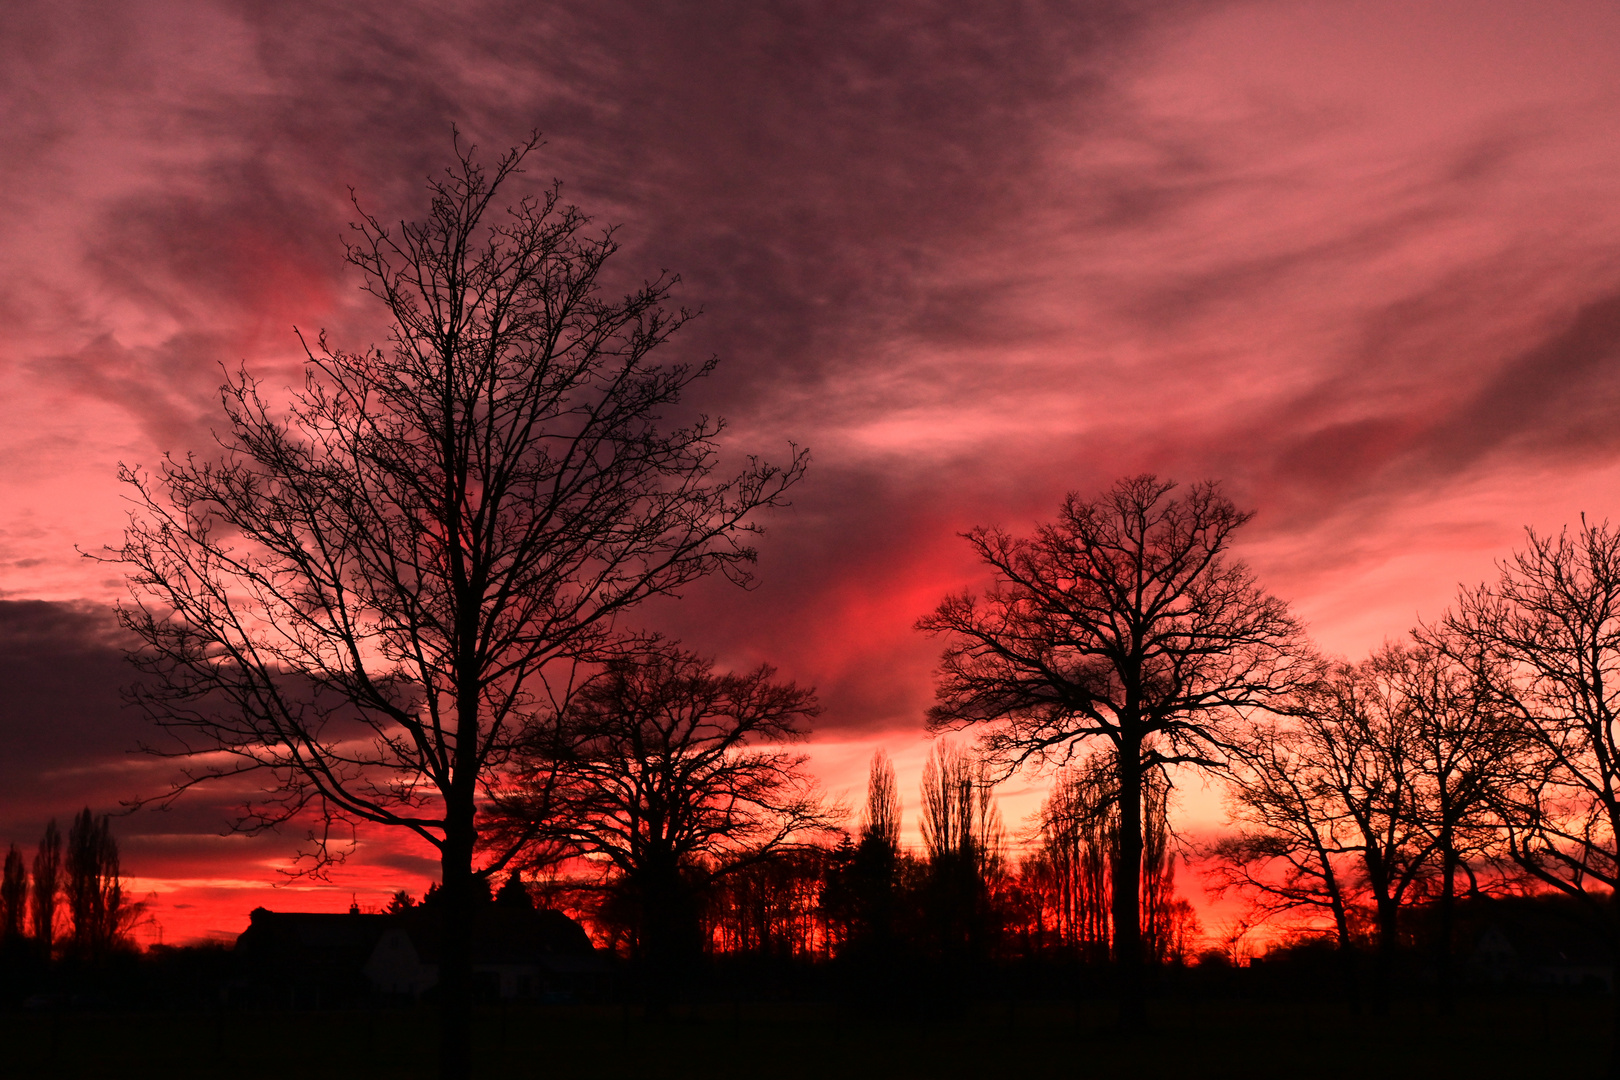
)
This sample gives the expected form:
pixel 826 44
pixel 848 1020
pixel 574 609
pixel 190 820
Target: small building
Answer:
pixel 309 959
pixel 1535 955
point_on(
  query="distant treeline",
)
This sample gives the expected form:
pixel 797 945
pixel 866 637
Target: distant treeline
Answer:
pixel 963 897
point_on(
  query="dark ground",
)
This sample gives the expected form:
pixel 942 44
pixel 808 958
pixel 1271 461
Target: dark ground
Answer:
pixel 1494 1037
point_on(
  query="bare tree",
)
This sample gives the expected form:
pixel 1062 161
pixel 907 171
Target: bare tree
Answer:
pixel 963 838
pixel 1079 832
pixel 959 815
pixel 1386 768
pixel 1168 920
pixel 1549 629
pixel 1121 621
pixel 1286 854
pixel 1079 841
pixel 771 907
pixel 1364 730
pixel 674 777
pixel 880 818
pixel 1467 746
pixel 47 882
pixel 861 896
pixel 381 581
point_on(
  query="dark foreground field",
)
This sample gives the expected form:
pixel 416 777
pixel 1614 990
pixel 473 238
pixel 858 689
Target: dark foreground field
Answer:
pixel 1490 1038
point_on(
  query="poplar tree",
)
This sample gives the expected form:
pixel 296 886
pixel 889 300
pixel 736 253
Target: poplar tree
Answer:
pixel 13 896
pixel 47 882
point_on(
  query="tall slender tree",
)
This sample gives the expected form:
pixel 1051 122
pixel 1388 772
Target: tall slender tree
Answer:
pixel 963 838
pixel 381 581
pixel 1079 831
pixel 47 883
pixel 880 816
pixel 94 891
pixel 13 897
pixel 1122 621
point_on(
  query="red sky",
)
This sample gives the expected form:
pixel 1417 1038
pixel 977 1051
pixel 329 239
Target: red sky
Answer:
pixel 1358 260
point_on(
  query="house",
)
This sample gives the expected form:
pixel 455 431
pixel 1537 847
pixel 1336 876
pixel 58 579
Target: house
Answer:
pixel 1520 948
pixel 310 959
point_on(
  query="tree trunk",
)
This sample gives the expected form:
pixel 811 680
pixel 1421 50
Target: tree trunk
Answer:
pixel 1128 886
pixel 1614 995
pixel 1385 963
pixel 455 949
pixel 669 935
pixel 1346 952
pixel 460 830
pixel 1448 901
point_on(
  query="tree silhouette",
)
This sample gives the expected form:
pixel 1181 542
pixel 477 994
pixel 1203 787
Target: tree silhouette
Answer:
pixel 47 881
pixel 673 776
pixel 880 816
pixel 514 894
pixel 1547 632
pixel 13 897
pixel 1079 829
pixel 1361 737
pixel 770 907
pixel 862 894
pixel 1286 854
pixel 1121 621
pixel 874 869
pixel 1073 869
pixel 963 839
pixel 1468 751
pixel 380 582
pixel 95 895
pixel 1385 769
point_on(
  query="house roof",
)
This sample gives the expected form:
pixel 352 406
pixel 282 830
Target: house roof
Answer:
pixel 500 935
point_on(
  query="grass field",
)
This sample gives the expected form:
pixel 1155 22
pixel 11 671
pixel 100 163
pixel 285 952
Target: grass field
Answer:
pixel 1493 1038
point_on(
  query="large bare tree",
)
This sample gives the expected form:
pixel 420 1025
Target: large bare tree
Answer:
pixel 670 776
pixel 380 581
pixel 1124 621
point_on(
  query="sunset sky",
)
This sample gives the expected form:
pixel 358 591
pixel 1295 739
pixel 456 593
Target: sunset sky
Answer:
pixel 1360 261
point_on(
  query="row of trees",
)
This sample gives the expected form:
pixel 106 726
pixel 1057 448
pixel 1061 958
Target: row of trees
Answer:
pixel 1479 754
pixel 399 597
pixel 73 902
pixel 961 899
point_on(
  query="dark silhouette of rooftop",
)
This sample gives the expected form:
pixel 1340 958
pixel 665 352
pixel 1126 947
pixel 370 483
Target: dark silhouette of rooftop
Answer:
pixel 318 958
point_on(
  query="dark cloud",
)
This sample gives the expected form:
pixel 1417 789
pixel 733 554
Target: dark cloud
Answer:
pixel 65 732
pixel 806 167
pixel 1557 398
pixel 70 742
